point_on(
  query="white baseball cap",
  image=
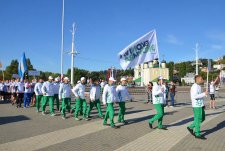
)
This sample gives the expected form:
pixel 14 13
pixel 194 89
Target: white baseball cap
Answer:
pixel 160 78
pixel 82 78
pixel 50 78
pixel 66 78
pixel 123 79
pixel 112 79
pixel 57 79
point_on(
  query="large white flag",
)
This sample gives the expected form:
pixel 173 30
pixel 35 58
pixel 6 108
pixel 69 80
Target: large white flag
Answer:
pixel 142 50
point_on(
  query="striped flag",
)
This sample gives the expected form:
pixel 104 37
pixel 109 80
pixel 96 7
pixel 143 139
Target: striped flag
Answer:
pixel 22 68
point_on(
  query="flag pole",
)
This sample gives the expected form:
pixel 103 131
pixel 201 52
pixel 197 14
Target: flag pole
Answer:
pixel 72 56
pixel 62 42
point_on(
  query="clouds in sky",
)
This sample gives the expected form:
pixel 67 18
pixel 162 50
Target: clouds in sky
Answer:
pixel 172 39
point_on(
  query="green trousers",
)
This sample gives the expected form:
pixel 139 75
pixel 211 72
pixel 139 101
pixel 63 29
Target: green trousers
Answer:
pixel 38 101
pixel 97 105
pixel 47 99
pixel 66 104
pixel 122 110
pixel 109 114
pixel 56 98
pixel 81 104
pixel 199 117
pixel 159 115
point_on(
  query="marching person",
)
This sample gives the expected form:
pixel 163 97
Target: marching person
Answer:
pixel 102 85
pixel 1 90
pixel 95 94
pixel 13 91
pixel 81 104
pixel 39 94
pixel 48 96
pixel 20 93
pixel 56 91
pixel 122 94
pixel 158 95
pixel 109 96
pixel 65 96
pixel 27 92
pixel 197 98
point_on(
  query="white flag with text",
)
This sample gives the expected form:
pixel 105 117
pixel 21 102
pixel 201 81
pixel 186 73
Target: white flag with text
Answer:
pixel 142 50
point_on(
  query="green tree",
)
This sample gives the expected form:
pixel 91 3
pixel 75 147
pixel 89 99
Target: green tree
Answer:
pixel 11 69
pixel 170 65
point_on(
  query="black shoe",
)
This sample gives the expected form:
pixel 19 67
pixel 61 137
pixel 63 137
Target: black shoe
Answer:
pixel 191 131
pixel 163 128
pixel 124 122
pixel 150 125
pixel 201 137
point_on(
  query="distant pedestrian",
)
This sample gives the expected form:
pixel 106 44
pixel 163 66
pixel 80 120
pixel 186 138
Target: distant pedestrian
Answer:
pixel 27 94
pixel 149 92
pixel 212 93
pixel 197 98
pixel 172 90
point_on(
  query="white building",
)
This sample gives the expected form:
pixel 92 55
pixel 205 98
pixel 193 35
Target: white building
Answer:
pixel 218 66
pixel 151 71
pixel 189 78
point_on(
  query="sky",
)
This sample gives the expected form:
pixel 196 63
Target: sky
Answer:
pixel 105 27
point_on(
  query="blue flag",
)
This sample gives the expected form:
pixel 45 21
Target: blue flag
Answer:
pixel 22 68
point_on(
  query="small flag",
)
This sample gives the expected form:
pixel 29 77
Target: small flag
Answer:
pixel 142 50
pixel 22 68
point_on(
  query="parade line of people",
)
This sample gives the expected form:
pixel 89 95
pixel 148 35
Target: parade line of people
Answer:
pixel 54 91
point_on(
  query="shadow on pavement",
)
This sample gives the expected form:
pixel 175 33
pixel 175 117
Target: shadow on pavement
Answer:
pixel 12 119
pixel 4 102
pixel 185 121
pixel 219 126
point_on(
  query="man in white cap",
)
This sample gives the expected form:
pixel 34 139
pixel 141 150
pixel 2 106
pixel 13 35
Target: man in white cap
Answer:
pixel 108 98
pixel 81 104
pixel 56 91
pixel 122 94
pixel 48 93
pixel 39 94
pixel 65 96
pixel 197 99
pixel 158 101
pixel 95 94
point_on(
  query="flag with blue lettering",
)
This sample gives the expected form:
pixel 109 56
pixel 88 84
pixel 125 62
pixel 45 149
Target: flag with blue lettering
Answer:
pixel 142 50
pixel 22 68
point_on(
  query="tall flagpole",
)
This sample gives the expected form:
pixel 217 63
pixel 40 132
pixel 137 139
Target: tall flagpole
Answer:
pixel 62 43
pixel 72 56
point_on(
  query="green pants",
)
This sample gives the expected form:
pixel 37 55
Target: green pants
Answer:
pixel 98 107
pixel 159 115
pixel 66 104
pixel 38 101
pixel 47 99
pixel 122 110
pixel 56 98
pixel 199 117
pixel 81 104
pixel 109 114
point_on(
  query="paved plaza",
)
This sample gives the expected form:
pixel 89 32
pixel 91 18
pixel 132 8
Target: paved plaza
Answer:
pixel 25 130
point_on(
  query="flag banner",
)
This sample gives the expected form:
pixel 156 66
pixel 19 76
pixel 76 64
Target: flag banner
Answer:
pixel 142 50
pixel 22 68
pixel 209 65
